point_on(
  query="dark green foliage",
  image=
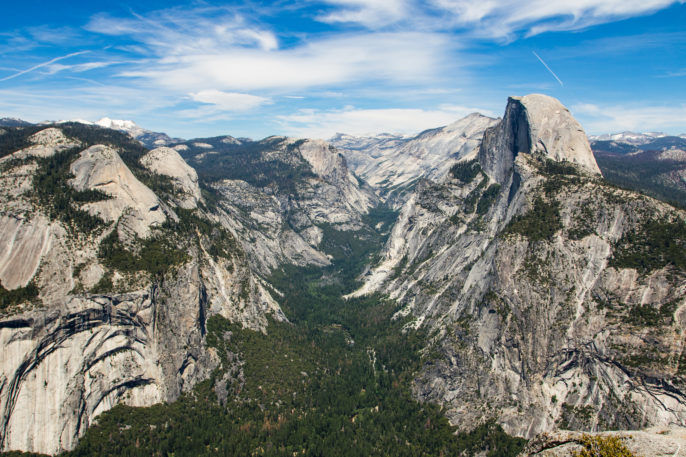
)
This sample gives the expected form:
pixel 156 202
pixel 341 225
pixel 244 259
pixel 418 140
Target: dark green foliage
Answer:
pixel 554 167
pixel 247 161
pixel 540 223
pixel 16 296
pixel 652 244
pixel 472 198
pixel 59 198
pixel 466 171
pixel 650 316
pixel 104 285
pixel 129 149
pixel 643 173
pixel 155 255
pixel 334 381
pixel 487 199
pixel 16 138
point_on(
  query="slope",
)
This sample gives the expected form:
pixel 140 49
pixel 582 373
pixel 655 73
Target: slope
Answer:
pixel 553 299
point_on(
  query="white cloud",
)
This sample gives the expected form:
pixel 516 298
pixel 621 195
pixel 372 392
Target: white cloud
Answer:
pixel 598 119
pixel 178 31
pixel 324 124
pixel 501 18
pixel 229 101
pixel 78 68
pixel 492 18
pixel 390 57
pixel 370 13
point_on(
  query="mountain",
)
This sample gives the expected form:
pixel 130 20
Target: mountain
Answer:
pixel 455 293
pixel 393 165
pixel 283 194
pixel 12 122
pixel 632 138
pixel 148 138
pixel 553 299
pixel 115 258
pixel 109 270
pixel 656 165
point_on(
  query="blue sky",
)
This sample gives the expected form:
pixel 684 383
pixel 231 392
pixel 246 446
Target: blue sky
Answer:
pixel 313 68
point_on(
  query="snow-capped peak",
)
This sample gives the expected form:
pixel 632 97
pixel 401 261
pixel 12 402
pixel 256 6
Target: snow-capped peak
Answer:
pixel 117 124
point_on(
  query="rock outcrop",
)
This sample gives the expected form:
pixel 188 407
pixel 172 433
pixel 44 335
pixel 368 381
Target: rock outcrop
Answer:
pixel 100 168
pixel 653 442
pixel 102 332
pixel 278 195
pixel 511 263
pixel 534 124
pixel 167 162
pixel 392 165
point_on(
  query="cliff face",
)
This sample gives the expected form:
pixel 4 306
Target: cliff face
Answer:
pixel 278 195
pixel 524 265
pixel 393 165
pixel 117 279
pixel 534 124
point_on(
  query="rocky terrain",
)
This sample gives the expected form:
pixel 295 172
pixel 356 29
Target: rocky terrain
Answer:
pixel 654 442
pixel 120 277
pixel 529 270
pixel 651 163
pixel 393 165
pixel 518 290
pixel 280 194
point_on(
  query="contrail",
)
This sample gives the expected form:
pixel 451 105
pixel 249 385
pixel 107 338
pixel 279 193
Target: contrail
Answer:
pixel 548 68
pixel 36 67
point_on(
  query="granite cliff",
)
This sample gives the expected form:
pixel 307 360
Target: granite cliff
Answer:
pixel 544 289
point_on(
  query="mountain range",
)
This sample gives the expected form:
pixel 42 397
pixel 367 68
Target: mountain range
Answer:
pixel 462 291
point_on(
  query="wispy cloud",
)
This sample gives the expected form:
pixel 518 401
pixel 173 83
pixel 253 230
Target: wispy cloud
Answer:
pixel 501 19
pixel 312 123
pixel 370 13
pixel 388 57
pixel 41 65
pixel 598 119
pixel 178 31
pixel 229 101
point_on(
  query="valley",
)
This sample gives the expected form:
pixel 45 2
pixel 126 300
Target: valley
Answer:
pixel 460 292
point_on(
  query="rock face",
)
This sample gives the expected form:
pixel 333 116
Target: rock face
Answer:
pixel 653 442
pixel 100 168
pixel 392 165
pixel 534 124
pixel 279 194
pixel 99 332
pixel 168 162
pixel 511 263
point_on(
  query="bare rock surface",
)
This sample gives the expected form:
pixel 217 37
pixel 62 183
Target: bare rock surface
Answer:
pixel 534 124
pixel 392 164
pixel 100 168
pixel 531 327
pixel 81 347
pixel 166 161
pixel 652 442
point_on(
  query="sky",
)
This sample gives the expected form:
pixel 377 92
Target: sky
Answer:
pixel 313 68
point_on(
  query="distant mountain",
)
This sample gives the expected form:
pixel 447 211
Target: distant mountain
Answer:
pixel 651 163
pixel 147 138
pixel 634 138
pixel 12 122
pixel 394 164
